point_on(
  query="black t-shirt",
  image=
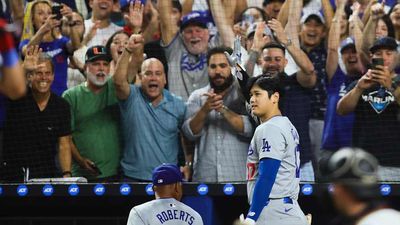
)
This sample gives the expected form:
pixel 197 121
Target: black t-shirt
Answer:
pixel 296 106
pixel 376 126
pixel 31 136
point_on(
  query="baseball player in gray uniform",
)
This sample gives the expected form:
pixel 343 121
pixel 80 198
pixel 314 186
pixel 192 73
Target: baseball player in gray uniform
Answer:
pixel 273 163
pixel 166 209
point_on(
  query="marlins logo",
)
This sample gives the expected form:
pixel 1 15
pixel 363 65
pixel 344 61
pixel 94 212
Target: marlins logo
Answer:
pixel 379 99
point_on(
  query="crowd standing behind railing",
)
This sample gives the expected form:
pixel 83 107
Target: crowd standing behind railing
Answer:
pixel 109 89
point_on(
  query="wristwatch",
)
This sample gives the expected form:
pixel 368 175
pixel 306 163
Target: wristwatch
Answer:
pixel 289 43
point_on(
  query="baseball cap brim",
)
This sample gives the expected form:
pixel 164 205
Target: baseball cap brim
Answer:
pixel 100 57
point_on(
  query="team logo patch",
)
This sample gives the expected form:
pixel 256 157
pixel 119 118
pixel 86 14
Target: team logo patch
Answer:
pixel 385 189
pixel 379 99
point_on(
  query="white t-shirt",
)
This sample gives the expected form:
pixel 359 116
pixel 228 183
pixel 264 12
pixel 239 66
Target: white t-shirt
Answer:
pixel 102 35
pixel 381 217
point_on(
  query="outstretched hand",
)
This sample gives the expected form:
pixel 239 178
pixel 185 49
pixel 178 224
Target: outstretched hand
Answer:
pixel 31 58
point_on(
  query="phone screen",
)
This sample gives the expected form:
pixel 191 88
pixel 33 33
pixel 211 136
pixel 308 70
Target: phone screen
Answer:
pixel 377 61
pixel 56 11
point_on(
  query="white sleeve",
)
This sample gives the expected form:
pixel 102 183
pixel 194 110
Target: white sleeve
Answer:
pixel 270 142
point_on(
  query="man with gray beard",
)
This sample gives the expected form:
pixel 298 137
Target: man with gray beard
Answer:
pixel 95 139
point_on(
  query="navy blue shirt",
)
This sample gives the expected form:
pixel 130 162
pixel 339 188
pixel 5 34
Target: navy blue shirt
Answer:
pixel 337 129
pixel 296 106
pixel 318 98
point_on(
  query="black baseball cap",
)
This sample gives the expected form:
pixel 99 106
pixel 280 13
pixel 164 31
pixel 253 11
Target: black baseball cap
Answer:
pixel 97 52
pixel 384 43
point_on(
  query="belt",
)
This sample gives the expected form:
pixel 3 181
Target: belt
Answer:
pixel 286 200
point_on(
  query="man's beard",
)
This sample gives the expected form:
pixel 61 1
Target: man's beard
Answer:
pixel 92 77
pixel 220 88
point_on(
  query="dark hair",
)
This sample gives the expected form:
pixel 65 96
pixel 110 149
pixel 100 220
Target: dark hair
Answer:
pixel 274 45
pixel 218 50
pixel 110 40
pixel 270 84
pixel 392 8
pixel 386 19
pixel 177 5
pixel 262 12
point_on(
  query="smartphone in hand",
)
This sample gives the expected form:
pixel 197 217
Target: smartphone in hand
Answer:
pixel 56 10
pixel 375 62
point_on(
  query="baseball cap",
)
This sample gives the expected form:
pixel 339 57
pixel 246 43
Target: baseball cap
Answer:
pixel 347 43
pixel 252 29
pixel 266 2
pixel 166 173
pixel 384 43
pixel 97 52
pixel 199 18
pixel 312 15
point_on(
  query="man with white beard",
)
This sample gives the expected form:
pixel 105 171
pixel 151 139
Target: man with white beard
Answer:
pixel 95 140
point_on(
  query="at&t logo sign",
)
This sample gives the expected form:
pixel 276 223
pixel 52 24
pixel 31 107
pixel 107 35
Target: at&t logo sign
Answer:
pixel 307 189
pixel 229 189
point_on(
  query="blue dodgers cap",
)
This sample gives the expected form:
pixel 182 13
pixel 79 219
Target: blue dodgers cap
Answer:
pixel 199 18
pixel 167 173
pixel 347 43
pixel 384 43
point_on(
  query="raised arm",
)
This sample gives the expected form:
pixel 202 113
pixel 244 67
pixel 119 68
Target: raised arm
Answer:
pixel 348 103
pixel 284 12
pixel 120 78
pixel 168 28
pixel 306 76
pixel 368 36
pixel 48 26
pixel 328 12
pixel 259 42
pixel 334 41
pixel 223 25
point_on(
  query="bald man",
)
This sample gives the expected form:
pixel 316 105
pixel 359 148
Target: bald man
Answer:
pixel 152 117
pixel 166 208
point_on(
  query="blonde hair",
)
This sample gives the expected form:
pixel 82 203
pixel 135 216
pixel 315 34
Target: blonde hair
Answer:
pixel 28 29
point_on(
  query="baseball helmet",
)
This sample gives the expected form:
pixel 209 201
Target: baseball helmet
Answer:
pixel 353 167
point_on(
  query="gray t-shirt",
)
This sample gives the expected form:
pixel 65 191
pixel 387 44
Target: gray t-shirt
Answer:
pixel 166 211
pixel 186 72
pixel 278 139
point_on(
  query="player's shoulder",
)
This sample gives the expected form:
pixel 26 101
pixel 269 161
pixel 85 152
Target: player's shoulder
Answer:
pixel 275 124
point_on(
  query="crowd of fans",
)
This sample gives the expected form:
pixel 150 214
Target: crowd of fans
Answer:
pixel 110 89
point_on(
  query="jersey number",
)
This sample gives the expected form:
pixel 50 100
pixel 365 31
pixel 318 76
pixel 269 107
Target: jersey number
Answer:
pixel 251 171
pixel 266 147
pixel 296 153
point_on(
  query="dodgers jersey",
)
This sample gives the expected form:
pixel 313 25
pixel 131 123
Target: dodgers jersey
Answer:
pixel 166 211
pixel 277 139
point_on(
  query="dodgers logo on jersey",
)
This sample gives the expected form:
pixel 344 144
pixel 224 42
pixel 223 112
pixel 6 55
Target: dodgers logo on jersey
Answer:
pixel 379 99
